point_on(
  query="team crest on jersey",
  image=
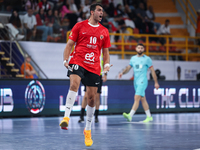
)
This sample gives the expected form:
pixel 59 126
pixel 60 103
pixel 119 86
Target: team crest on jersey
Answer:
pixel 101 37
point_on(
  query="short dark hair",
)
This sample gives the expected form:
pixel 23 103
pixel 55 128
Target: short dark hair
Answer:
pixel 167 20
pixel 93 6
pixel 139 44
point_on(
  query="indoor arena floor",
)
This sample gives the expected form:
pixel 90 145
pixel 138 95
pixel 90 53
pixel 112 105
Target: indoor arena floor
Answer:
pixel 166 132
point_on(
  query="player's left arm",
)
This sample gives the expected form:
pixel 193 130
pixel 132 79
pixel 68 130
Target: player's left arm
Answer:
pixel 154 77
pixel 106 60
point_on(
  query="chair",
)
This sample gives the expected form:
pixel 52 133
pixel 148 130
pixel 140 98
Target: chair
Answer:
pixel 153 48
pixel 173 48
pixel 130 47
pixel 133 46
pixel 162 49
pixel 136 31
pixel 130 30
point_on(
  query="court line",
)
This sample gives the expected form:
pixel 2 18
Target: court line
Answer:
pixel 161 123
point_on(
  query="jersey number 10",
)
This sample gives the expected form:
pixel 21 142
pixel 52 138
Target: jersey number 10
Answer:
pixel 93 40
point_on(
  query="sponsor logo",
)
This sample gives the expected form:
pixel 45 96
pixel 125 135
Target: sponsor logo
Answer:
pixel 35 97
pixel 91 46
pixel 166 97
pixel 84 32
pixel 90 56
pixel 6 100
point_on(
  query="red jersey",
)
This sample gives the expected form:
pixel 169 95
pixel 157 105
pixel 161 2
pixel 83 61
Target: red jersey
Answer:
pixel 89 40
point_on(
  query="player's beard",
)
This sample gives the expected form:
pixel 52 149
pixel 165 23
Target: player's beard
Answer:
pixel 140 53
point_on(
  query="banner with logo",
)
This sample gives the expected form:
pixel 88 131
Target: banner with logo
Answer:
pixel 48 97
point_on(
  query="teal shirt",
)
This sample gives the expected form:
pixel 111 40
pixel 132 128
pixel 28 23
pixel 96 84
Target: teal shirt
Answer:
pixel 140 66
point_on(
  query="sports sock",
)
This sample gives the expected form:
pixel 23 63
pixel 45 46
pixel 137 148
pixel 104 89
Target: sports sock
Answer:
pixel 90 114
pixel 69 102
pixel 96 113
pixel 148 113
pixel 82 112
pixel 132 112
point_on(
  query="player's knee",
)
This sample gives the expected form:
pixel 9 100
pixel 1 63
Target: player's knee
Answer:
pixel 74 87
pixel 142 99
pixel 91 100
pixel 137 98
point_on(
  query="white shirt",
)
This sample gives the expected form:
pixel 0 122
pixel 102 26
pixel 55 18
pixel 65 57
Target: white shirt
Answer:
pixel 74 8
pixel 86 8
pixel 149 14
pixel 163 30
pixel 129 23
pixel 30 21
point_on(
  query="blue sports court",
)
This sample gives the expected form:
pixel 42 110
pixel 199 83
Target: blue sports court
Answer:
pixel 179 131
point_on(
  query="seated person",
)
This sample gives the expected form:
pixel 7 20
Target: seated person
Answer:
pixel 29 70
pixel 164 30
pixel 30 25
pixel 16 22
pixel 151 16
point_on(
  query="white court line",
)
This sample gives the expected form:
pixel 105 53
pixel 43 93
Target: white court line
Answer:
pixel 197 149
pixel 161 123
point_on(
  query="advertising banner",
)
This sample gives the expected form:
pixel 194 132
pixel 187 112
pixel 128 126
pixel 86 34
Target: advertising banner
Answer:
pixel 48 97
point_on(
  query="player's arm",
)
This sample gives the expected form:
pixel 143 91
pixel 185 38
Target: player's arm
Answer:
pixel 126 70
pixel 106 60
pixel 154 77
pixel 67 51
pixel 104 77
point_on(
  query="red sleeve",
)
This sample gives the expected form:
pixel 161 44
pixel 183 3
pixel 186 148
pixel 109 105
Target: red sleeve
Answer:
pixel 74 33
pixel 46 21
pixel 38 20
pixel 107 40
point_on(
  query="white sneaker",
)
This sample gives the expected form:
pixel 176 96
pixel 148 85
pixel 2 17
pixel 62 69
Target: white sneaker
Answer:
pixel 19 37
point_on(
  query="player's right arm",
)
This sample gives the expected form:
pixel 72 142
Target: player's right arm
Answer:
pixel 126 70
pixel 67 52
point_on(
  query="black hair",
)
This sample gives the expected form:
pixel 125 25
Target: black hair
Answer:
pixel 93 6
pixel 15 20
pixel 167 20
pixel 139 44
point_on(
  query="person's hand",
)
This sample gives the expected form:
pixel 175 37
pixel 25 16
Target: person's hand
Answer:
pixel 34 32
pixel 120 75
pixel 50 25
pixel 104 78
pixel 66 64
pixel 107 68
pixel 156 86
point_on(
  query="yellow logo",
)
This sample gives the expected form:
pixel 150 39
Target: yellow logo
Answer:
pixel 70 34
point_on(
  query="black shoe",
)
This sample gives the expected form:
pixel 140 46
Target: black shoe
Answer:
pixel 81 120
pixel 96 120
